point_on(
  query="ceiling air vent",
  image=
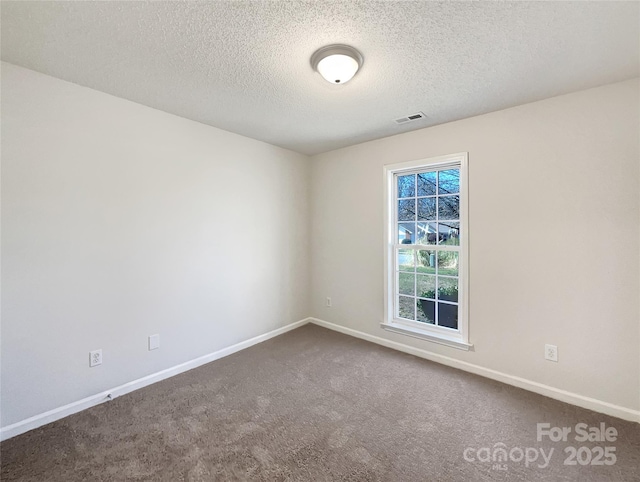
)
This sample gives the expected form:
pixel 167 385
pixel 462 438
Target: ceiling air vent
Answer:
pixel 410 118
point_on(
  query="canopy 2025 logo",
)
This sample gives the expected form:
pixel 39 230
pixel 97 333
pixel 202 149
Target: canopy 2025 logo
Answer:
pixel 500 455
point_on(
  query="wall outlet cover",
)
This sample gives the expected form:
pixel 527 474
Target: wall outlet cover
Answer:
pixel 95 358
pixel 154 342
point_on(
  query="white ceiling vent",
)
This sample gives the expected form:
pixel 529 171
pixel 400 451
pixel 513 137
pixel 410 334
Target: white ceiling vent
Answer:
pixel 410 118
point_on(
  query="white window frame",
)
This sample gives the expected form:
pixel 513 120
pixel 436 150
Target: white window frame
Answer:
pixel 446 336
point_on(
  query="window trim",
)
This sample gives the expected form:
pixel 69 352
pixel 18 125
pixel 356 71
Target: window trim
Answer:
pixel 445 336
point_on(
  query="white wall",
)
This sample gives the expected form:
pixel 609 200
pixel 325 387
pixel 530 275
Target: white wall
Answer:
pixel 120 221
pixel 554 238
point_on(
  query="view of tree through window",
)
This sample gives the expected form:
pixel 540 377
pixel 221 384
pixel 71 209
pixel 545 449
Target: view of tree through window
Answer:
pixel 427 249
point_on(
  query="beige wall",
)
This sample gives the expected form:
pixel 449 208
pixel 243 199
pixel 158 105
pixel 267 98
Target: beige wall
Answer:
pixel 120 221
pixel 554 238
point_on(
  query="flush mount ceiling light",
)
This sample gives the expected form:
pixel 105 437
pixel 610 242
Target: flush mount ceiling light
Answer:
pixel 337 63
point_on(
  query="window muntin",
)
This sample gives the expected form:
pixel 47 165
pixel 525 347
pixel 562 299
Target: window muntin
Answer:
pixel 426 255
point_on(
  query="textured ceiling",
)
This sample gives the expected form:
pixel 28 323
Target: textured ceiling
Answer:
pixel 244 66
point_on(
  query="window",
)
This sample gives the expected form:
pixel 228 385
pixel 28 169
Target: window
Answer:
pixel 426 260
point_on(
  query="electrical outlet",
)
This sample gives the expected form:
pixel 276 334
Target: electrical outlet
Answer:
pixel 95 358
pixel 328 304
pixel 154 342
pixel 551 352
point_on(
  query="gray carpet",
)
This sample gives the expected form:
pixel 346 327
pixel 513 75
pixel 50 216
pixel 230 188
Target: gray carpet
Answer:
pixel 316 405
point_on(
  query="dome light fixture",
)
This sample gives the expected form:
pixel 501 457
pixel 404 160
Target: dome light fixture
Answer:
pixel 337 63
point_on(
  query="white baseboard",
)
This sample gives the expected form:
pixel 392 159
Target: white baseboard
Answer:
pixel 546 390
pixel 74 407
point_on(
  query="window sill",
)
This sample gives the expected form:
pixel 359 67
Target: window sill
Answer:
pixel 423 335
